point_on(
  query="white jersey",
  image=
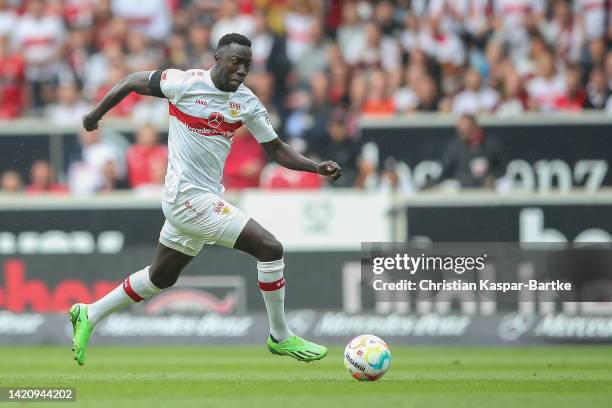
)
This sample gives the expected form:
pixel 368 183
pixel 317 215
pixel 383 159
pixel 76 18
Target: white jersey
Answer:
pixel 203 120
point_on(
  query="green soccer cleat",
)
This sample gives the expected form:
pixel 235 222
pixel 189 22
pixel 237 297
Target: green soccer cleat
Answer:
pixel 298 348
pixel 81 331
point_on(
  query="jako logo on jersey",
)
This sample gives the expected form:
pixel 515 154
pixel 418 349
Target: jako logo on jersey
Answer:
pixel 215 119
pixel 201 102
pixel 234 108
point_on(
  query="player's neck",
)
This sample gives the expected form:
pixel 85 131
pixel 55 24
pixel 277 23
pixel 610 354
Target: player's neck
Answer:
pixel 215 77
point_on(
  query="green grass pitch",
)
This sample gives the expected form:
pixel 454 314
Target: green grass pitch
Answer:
pixel 251 377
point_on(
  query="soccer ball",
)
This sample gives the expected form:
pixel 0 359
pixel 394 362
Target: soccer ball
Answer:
pixel 367 358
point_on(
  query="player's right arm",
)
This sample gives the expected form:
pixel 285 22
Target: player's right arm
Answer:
pixel 137 82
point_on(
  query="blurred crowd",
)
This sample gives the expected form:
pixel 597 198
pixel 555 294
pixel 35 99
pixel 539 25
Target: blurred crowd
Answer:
pixel 318 65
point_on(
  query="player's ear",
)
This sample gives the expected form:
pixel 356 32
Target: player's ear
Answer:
pixel 217 58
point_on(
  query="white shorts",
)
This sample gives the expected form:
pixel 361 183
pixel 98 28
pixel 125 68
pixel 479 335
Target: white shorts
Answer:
pixel 197 218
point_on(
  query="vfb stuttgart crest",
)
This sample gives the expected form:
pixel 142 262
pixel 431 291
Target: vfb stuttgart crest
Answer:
pixel 215 119
pixel 234 108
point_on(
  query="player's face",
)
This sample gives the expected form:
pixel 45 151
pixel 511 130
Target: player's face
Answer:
pixel 234 63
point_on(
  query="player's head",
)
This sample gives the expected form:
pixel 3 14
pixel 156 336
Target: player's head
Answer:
pixel 232 61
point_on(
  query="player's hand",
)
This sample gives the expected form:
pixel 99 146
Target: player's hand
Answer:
pixel 329 169
pixel 90 122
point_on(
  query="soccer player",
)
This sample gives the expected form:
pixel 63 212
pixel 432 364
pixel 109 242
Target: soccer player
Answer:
pixel 205 107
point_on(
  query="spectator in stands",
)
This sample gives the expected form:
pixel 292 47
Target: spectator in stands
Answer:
pixel 87 175
pixel 146 153
pixel 597 90
pixel 140 56
pixel 514 97
pixel 298 24
pixel 70 106
pixel 200 48
pixel 379 51
pixel 608 68
pixel 574 97
pixel 41 37
pixel 350 33
pixel 11 182
pixel 565 32
pixel 155 186
pixel 8 15
pixel 12 80
pixel 111 178
pixel 514 19
pixel 592 13
pixel 427 94
pixel 446 48
pixel 151 17
pixel 316 57
pixel 472 159
pixel 98 66
pixel 379 100
pixel 321 106
pixel 443 45
pixel 595 54
pixel 244 163
pixel 270 54
pixel 340 147
pixel 475 98
pixel 230 20
pixel 42 180
pixel 546 86
pixel 404 98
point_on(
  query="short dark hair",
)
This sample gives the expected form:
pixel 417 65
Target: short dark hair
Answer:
pixel 233 38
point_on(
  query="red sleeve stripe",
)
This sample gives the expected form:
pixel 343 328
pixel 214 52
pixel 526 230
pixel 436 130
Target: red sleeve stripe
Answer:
pixel 271 286
pixel 127 287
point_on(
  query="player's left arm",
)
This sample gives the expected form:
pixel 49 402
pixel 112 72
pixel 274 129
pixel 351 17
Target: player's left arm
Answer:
pixel 288 157
pixel 258 122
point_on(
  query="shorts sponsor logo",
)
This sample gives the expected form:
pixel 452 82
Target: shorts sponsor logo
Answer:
pixel 201 102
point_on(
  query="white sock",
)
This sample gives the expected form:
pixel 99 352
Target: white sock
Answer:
pixel 136 287
pixel 272 285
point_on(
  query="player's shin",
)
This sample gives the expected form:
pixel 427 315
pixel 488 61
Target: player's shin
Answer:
pixel 272 285
pixel 134 288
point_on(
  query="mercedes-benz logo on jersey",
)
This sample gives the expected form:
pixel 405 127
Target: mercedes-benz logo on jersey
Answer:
pixel 215 119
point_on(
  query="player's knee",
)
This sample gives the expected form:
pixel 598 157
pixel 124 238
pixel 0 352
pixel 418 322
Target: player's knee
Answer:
pixel 272 250
pixel 163 278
